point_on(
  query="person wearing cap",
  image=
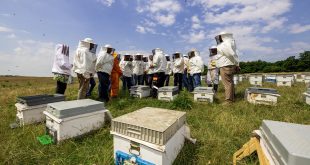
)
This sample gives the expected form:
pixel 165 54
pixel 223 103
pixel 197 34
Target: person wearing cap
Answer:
pixel 116 73
pixel 168 70
pixel 61 67
pixel 159 65
pixel 185 81
pixel 146 69
pixel 84 64
pixel 138 69
pixel 126 68
pixel 104 66
pixel 196 66
pixel 228 63
pixel 212 77
pixel 178 69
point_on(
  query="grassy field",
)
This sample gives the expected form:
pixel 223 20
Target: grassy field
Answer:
pixel 220 130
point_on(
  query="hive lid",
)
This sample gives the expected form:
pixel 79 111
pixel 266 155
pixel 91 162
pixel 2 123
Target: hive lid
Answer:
pixel 73 108
pixel 168 89
pixel 291 141
pixel 157 119
pixel 140 87
pixel 40 99
pixel 203 90
pixel 262 90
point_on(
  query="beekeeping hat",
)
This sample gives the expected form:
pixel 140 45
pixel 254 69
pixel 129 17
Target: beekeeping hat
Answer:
pixel 156 50
pixel 213 51
pixel 167 57
pixel 223 36
pixel 138 57
pixel 176 55
pixel 89 43
pixel 89 40
pixel 109 49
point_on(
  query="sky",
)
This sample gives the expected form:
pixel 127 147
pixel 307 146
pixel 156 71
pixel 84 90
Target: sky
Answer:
pixel 268 30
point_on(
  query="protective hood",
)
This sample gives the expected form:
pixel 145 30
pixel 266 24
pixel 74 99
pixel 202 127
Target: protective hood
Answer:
pixel 193 53
pixel 105 60
pixel 178 63
pixel 61 63
pixel 223 36
pixel 88 44
pixel 159 61
pixel 167 57
pixel 138 57
pixel 108 49
pixel 156 51
pixel 145 59
pixel 127 57
pixel 213 51
pixel 226 50
pixel 176 55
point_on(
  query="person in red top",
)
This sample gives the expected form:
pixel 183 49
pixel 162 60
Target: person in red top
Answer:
pixel 115 75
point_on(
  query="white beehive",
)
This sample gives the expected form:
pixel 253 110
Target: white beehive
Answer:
pixel 168 93
pixel 307 79
pixel 236 79
pixel 241 77
pixel 285 80
pixel 70 119
pixel 256 79
pixel 30 108
pixel 266 96
pixel 307 96
pixel 285 143
pixel 299 77
pixel 271 78
pixel 204 94
pixel 152 135
pixel 140 91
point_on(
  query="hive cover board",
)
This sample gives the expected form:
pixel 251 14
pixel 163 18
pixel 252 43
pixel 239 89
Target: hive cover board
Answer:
pixel 40 99
pixel 73 108
pixel 173 89
pixel 203 90
pixel 154 125
pixel 140 87
pixel 262 90
pixel 291 141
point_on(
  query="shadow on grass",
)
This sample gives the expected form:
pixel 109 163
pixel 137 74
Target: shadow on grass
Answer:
pixel 188 154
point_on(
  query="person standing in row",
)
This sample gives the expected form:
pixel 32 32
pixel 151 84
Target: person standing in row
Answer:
pixel 146 68
pixel 61 67
pixel 228 63
pixel 92 84
pixel 138 69
pixel 168 70
pixel 104 66
pixel 126 67
pixel 84 64
pixel 212 77
pixel 196 67
pixel 116 73
pixel 178 69
pixel 150 72
pixel 186 83
pixel 159 65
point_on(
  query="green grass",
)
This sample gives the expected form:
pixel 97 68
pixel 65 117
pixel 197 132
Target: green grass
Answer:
pixel 220 130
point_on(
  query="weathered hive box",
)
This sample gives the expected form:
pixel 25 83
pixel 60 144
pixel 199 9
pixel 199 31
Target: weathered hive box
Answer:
pixel 204 94
pixel 30 108
pixel 271 78
pixel 266 96
pixel 285 80
pixel 256 79
pixel 241 77
pixel 236 79
pixel 140 91
pixel 307 96
pixel 149 135
pixel 299 77
pixel 69 119
pixel 168 93
pixel 307 79
pixel 286 143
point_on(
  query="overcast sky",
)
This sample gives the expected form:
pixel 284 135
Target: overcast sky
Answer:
pixel 269 30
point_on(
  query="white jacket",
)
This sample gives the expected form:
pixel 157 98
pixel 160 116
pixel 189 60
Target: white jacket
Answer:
pixel 178 65
pixel 84 61
pixel 212 62
pixel 105 61
pixel 196 64
pixel 150 70
pixel 227 52
pixel 138 67
pixel 61 63
pixel 168 68
pixel 146 67
pixel 186 63
pixel 159 62
pixel 126 67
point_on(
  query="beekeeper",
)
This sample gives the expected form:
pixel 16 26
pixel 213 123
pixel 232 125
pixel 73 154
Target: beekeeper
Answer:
pixel 84 64
pixel 61 68
pixel 168 70
pixel 150 71
pixel 186 83
pixel 196 67
pixel 228 63
pixel 146 68
pixel 126 68
pixel 116 73
pixel 178 69
pixel 104 66
pixel 159 65
pixel 212 77
pixel 138 69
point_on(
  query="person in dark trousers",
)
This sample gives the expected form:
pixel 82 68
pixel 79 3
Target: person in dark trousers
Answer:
pixel 168 70
pixel 159 65
pixel 126 68
pixel 178 69
pixel 186 82
pixel 150 72
pixel 61 68
pixel 92 84
pixel 146 68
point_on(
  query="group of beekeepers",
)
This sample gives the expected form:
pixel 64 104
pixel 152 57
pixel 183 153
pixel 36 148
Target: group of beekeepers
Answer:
pixel 153 70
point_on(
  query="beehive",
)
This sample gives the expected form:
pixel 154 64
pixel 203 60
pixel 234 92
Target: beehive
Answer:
pixel 168 93
pixel 267 96
pixel 307 96
pixel 271 78
pixel 236 79
pixel 204 94
pixel 285 80
pixel 256 79
pixel 140 91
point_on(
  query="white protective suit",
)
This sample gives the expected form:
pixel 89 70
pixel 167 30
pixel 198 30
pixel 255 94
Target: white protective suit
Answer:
pixel 178 64
pixel 105 60
pixel 85 58
pixel 227 54
pixel 146 65
pixel 126 67
pixel 159 61
pixel 169 66
pixel 213 70
pixel 196 64
pixel 61 63
pixel 138 66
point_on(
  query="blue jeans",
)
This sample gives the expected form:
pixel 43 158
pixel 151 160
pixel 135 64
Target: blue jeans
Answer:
pixel 92 83
pixel 138 79
pixel 127 82
pixel 186 80
pixel 197 80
